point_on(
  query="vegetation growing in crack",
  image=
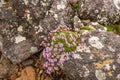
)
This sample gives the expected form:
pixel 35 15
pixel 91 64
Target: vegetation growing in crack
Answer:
pixel 86 28
pixel 59 44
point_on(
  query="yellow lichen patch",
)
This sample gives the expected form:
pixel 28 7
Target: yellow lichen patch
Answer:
pixel 101 65
pixel 110 73
pixel 109 61
pixel 98 65
pixel 8 3
pixel 15 11
pixel 103 55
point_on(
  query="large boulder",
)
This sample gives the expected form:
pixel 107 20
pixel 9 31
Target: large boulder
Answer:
pixel 103 11
pixel 24 24
pixel 98 59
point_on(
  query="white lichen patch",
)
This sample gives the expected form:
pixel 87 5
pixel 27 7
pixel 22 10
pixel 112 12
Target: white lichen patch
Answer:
pixel 107 67
pixel 20 28
pixel 85 32
pixel 118 76
pixel 83 48
pixel 95 42
pixel 117 3
pixel 27 15
pixel 34 2
pixel 100 75
pixel 33 49
pixel 56 17
pixel 26 2
pixel 38 29
pixel 86 73
pixel 114 67
pixel 77 56
pixel 111 49
pixel 62 5
pixel 19 38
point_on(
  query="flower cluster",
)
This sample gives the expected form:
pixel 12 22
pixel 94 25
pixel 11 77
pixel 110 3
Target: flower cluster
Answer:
pixel 59 44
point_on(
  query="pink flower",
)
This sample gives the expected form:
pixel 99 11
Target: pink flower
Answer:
pixel 44 54
pixel 48 49
pixel 56 68
pixel 53 38
pixel 60 44
pixel 55 49
pixel 61 49
pixel 61 61
pixel 50 68
pixel 46 64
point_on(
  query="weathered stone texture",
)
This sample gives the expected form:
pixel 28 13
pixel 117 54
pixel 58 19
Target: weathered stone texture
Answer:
pixel 104 11
pixel 99 60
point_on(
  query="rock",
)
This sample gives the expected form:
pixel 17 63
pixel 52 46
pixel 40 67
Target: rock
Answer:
pixel 73 1
pixel 59 14
pixel 103 11
pixel 19 52
pixel 1 45
pixel 28 62
pixel 77 22
pixel 98 60
pixel 28 73
pixel 30 22
pixel 6 68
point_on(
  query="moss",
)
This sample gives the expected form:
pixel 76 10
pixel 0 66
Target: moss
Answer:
pixel 86 28
pixel 72 21
pixel 117 27
pixel 109 28
pixel 113 28
pixel 66 47
pixel 75 6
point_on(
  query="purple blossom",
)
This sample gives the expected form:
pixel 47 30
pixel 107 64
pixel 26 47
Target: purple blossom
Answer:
pixel 56 68
pixel 42 43
pixel 48 55
pixel 50 68
pixel 58 56
pixel 55 49
pixel 71 37
pixel 63 36
pixel 51 60
pixel 52 64
pixel 61 61
pixel 46 64
pixel 48 49
pixel 66 57
pixel 60 44
pixel 73 53
pixel 61 49
pixel 44 54
pixel 53 38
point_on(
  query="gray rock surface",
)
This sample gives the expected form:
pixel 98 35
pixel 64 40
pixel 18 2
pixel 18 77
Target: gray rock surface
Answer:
pixel 103 11
pixel 98 60
pixel 29 23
